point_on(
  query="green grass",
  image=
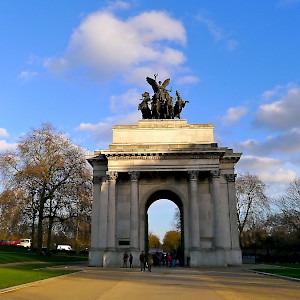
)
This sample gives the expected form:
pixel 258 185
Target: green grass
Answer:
pixel 32 267
pixel 20 274
pixel 293 266
pixel 12 255
pixel 283 269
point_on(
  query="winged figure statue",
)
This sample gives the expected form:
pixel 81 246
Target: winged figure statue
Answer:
pixel 159 88
pixel 162 106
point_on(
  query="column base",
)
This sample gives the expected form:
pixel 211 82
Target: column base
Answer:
pixel 96 257
pixel 112 257
pixel 219 257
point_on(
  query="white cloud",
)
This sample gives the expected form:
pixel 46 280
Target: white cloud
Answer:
pixel 124 102
pixel 218 33
pixel 102 132
pixel 282 113
pixel 117 5
pixel 269 170
pixel 5 146
pixel 3 132
pixel 106 45
pixel 56 65
pixel 27 75
pixel 271 93
pixel 234 114
pixel 285 143
pixel 189 79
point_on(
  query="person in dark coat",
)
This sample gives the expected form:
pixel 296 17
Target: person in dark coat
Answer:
pixel 142 261
pixel 130 260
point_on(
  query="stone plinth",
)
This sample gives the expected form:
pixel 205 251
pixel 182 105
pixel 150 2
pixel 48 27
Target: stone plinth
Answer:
pixel 163 132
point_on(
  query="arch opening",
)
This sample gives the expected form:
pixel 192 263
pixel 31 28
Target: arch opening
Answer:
pixel 175 202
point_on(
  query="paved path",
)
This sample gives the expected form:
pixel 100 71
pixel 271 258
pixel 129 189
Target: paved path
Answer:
pixel 231 283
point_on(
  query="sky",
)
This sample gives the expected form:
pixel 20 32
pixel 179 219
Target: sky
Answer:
pixel 81 65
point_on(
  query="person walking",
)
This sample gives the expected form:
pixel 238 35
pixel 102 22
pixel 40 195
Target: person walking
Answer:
pixel 169 260
pixel 130 260
pixel 149 261
pixel 142 261
pixel 125 259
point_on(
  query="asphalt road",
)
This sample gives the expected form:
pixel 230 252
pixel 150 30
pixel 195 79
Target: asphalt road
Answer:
pixel 230 283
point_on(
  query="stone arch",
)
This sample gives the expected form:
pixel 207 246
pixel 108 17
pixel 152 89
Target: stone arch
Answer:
pixel 164 159
pixel 169 193
pixel 164 190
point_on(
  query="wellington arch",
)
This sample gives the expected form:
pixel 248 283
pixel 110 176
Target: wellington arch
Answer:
pixel 164 159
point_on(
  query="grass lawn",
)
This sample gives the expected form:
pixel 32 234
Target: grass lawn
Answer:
pixel 293 266
pixel 14 255
pixel 20 274
pixel 34 267
pixel 289 270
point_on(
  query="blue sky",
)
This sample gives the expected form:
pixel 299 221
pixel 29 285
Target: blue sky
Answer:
pixel 82 65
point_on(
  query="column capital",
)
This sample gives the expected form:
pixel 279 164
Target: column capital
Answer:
pixel 97 179
pixel 193 174
pixel 215 174
pixel 230 177
pixel 112 175
pixel 134 175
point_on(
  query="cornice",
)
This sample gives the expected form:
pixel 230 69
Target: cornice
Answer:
pixel 163 156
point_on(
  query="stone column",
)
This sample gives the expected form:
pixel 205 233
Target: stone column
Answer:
pixel 232 210
pixel 111 230
pixel 134 209
pixel 103 213
pixel 218 230
pixel 194 211
pixel 97 181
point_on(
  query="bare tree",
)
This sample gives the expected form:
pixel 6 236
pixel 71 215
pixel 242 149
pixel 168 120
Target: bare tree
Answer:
pixel 176 222
pixel 289 205
pixel 252 202
pixel 10 215
pixel 49 167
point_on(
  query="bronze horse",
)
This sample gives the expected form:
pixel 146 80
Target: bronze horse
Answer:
pixel 143 106
pixel 179 105
pixel 161 102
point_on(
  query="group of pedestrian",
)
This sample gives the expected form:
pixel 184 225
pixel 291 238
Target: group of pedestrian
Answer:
pixel 146 261
pixel 127 257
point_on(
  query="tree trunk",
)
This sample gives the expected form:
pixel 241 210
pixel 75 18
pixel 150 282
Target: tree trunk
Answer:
pixel 51 219
pixel 32 232
pixel 40 226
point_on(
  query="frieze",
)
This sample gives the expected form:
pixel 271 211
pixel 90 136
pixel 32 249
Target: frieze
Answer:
pixel 229 159
pixel 162 156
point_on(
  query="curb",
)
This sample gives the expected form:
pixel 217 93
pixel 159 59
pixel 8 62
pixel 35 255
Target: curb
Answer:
pixel 274 275
pixel 28 284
